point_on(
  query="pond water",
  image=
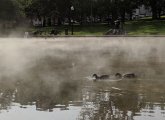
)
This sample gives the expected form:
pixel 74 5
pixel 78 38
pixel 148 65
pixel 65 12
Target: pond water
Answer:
pixel 50 79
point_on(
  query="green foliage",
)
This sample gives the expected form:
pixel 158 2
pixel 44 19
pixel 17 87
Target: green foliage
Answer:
pixel 15 9
pixel 10 10
pixel 83 9
pixel 157 6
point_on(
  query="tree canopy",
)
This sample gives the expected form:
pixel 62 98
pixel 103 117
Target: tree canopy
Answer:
pixel 10 10
pixel 15 9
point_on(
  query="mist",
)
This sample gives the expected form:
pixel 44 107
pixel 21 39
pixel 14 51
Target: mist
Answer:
pixel 57 60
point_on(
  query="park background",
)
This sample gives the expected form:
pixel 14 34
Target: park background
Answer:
pixel 81 17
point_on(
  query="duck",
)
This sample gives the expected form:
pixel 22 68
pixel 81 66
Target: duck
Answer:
pixel 129 75
pixel 102 77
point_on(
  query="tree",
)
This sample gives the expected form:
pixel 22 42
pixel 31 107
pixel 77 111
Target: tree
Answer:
pixel 10 10
pixel 157 6
pixel 85 10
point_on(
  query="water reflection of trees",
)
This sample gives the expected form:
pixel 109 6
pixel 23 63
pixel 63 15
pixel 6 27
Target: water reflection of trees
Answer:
pixel 45 97
pixel 5 99
pixel 112 104
pixel 118 105
pixel 42 95
pixel 50 81
pixel 6 93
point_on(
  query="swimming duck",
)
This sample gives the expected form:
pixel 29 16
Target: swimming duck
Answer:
pixel 129 75
pixel 102 77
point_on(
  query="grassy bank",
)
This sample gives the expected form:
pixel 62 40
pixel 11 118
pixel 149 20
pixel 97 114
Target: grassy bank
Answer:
pixel 99 29
pixel 145 27
pixel 139 27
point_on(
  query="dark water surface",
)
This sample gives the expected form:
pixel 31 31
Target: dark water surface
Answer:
pixel 50 79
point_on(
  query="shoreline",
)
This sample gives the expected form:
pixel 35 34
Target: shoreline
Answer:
pixel 70 36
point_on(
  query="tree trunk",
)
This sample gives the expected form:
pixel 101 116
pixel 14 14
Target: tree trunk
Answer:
pixel 59 21
pixel 130 15
pixel 154 14
pixel 123 16
pixel 154 9
pixel 159 13
pixel 44 22
pixel 114 15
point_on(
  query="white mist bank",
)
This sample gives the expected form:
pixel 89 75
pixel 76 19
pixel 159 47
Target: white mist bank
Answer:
pixel 74 58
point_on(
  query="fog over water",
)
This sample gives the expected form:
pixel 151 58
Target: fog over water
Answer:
pixel 38 74
pixel 82 56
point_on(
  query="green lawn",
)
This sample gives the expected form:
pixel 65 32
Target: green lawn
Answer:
pixel 139 27
pixel 99 29
pixel 145 27
pixel 91 30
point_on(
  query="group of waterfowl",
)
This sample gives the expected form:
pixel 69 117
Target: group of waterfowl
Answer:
pixel 117 76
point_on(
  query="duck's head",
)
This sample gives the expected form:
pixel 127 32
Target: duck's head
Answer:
pixel 118 75
pixel 95 75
